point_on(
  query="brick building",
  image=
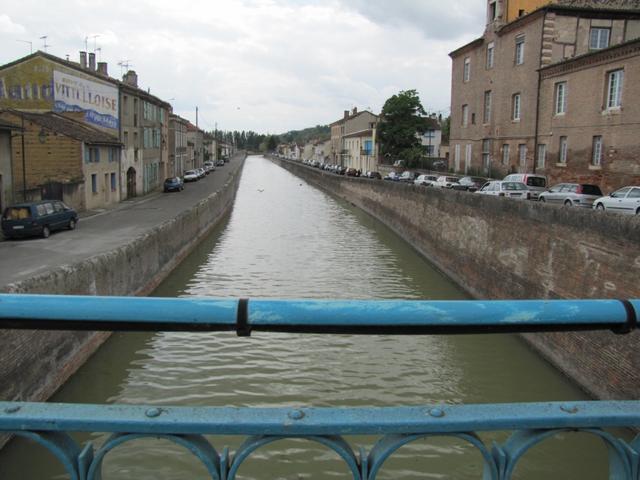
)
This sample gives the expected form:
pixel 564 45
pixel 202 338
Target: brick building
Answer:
pixel 63 159
pixel 506 83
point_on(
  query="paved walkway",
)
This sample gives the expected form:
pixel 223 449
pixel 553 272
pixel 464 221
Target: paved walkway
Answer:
pixel 103 230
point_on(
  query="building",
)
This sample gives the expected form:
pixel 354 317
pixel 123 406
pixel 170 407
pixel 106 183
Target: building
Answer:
pixel 144 128
pixel 517 94
pixel 209 147
pixel 361 148
pixel 177 146
pixel 322 151
pixel 195 151
pixel 63 159
pixel 83 90
pixel 431 139
pixel 353 122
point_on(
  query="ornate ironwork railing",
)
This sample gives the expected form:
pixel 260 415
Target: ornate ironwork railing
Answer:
pixel 530 423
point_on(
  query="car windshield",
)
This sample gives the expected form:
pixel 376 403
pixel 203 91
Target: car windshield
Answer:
pixel 17 213
pixel 190 172
pixel 513 186
pixel 451 179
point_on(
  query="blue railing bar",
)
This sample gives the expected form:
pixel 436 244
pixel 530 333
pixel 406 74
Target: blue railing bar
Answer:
pixel 55 417
pixel 317 316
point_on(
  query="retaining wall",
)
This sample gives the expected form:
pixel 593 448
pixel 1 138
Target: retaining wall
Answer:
pixel 34 364
pixel 498 248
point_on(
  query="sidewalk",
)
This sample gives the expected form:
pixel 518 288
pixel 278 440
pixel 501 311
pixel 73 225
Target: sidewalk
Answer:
pixel 101 230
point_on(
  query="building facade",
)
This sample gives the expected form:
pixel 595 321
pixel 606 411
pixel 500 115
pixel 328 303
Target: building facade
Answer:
pixel 499 97
pixel 351 123
pixel 6 175
pixel 63 159
pixel 177 146
pixel 195 139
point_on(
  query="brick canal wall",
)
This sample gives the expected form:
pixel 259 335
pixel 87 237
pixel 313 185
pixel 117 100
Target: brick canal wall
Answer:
pixel 33 365
pixel 496 248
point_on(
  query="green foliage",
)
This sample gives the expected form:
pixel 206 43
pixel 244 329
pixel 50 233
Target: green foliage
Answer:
pixel 402 118
pixel 319 132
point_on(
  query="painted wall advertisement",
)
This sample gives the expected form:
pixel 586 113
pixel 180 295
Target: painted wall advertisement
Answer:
pixel 99 102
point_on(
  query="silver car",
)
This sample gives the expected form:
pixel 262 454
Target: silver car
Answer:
pixel 425 180
pixel 625 200
pixel 572 194
pixel 500 188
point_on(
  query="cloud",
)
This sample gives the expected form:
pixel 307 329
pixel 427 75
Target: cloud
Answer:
pixel 8 27
pixel 263 65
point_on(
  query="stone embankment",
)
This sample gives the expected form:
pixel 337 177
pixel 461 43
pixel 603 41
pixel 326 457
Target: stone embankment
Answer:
pixel 500 249
pixel 33 364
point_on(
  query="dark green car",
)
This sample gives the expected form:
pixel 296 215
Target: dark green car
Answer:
pixel 37 219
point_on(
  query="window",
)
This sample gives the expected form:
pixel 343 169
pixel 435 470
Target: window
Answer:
pixel 614 89
pixel 493 11
pixel 490 50
pixel 465 115
pixel 126 139
pixel 561 98
pixel 562 154
pixel 599 38
pixel 505 154
pixel 596 156
pixel 456 158
pixel 466 75
pixel 542 155
pixel 113 182
pixel 473 119
pixel 467 158
pixel 519 50
pixel 522 155
pixel 486 118
pixel 94 183
pixel 113 154
pixel 486 154
pixel 515 111
pixel 125 105
pixel 368 147
pixel 430 150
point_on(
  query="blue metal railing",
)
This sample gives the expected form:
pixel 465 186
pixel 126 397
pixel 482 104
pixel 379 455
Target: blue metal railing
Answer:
pixel 530 423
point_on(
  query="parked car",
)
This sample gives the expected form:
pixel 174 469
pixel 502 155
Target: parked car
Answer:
pixel 425 180
pixel 37 218
pixel 471 184
pixel 500 188
pixel 201 172
pixel 209 167
pixel 220 163
pixel 625 200
pixel 173 184
pixel 408 176
pixel 373 175
pixel 570 194
pixel 446 181
pixel 439 165
pixel 393 176
pixel 191 176
pixel 536 184
pixel 351 172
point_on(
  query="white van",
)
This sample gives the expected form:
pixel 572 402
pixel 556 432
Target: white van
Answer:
pixel 536 184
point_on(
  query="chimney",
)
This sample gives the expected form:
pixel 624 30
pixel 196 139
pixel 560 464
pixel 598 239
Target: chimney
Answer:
pixel 346 114
pixel 354 111
pixel 83 59
pixel 102 68
pixel 131 78
pixel 92 62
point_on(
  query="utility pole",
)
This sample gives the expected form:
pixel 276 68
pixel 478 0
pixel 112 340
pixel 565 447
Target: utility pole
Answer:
pixel 24 165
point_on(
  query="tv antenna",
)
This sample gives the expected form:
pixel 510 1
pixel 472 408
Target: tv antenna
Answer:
pixel 99 52
pixel 27 41
pixel 124 64
pixel 44 42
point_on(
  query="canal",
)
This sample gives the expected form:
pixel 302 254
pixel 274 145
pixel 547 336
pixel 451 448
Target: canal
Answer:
pixel 286 239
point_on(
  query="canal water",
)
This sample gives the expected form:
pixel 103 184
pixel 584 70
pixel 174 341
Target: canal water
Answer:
pixel 286 239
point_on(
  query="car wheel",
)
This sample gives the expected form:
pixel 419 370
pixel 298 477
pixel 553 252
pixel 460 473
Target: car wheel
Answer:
pixel 541 199
pixel 600 207
pixel 72 224
pixel 45 232
pixel 567 203
pixel 638 211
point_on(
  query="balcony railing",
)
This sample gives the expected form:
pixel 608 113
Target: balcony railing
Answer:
pixel 50 424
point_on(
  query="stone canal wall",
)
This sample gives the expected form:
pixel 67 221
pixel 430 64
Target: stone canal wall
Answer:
pixel 496 248
pixel 34 364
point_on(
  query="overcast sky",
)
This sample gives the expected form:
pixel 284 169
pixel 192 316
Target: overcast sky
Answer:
pixel 263 65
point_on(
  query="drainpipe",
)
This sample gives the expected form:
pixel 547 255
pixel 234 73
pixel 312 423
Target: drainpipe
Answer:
pixel 538 88
pixel 24 166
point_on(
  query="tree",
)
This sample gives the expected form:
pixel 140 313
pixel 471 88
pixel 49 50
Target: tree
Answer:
pixel 272 143
pixel 402 120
